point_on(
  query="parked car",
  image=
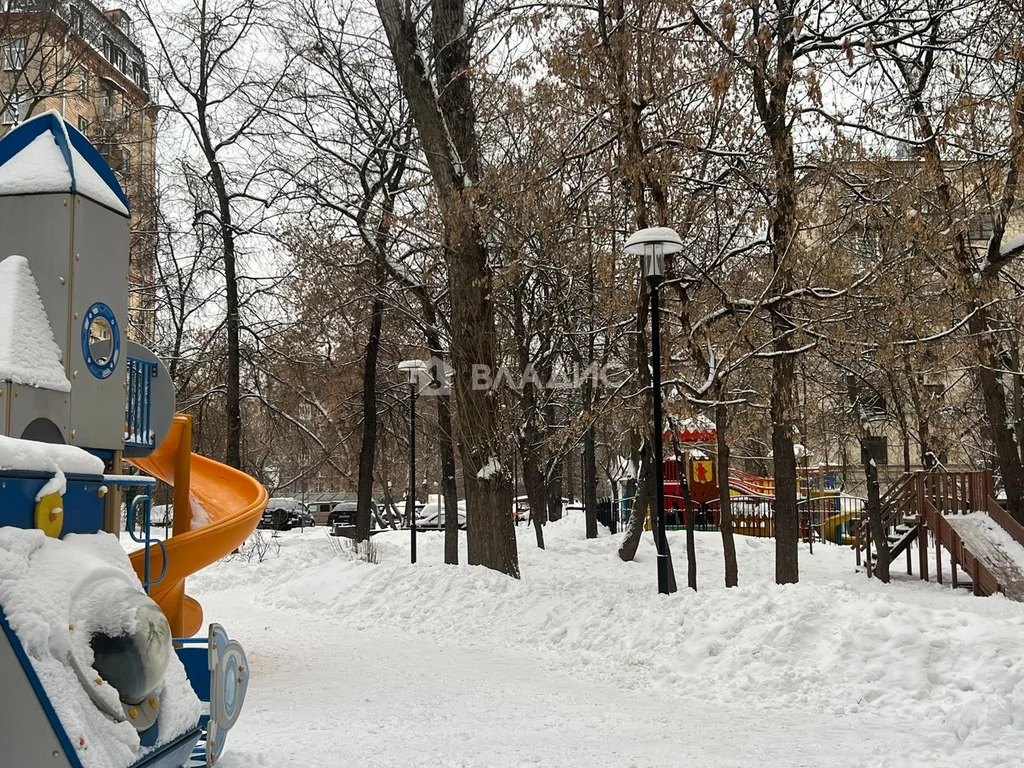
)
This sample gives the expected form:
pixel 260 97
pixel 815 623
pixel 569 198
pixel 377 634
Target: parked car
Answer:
pixel 343 513
pixel 431 516
pixel 320 510
pixel 284 513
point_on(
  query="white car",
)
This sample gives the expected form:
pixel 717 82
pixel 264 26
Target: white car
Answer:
pixel 432 516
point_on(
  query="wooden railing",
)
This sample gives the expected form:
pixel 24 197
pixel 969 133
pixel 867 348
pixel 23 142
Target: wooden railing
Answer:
pixel 950 493
pixel 983 582
pixel 897 502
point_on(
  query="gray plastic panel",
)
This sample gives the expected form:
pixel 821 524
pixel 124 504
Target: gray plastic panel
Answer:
pixel 29 403
pixel 38 227
pixel 100 275
pixel 26 736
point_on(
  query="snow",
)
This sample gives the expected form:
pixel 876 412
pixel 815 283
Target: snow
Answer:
pixel 490 469
pixel 29 354
pixel 41 167
pixel 56 594
pixel 56 484
pixel 200 516
pixel 1008 247
pixel 32 456
pixel 990 540
pixel 582 663
pixel 998 551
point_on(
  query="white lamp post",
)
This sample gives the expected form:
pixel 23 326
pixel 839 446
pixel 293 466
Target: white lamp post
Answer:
pixel 651 245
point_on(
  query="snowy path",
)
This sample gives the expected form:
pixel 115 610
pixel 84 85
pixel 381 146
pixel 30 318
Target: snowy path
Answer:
pixel 581 663
pixel 362 698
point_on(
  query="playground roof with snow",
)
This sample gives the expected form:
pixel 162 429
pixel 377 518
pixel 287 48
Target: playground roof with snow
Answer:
pixel 46 154
pixel 29 354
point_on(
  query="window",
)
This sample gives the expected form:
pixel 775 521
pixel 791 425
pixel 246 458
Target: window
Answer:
pixel 15 53
pixel 77 21
pixel 126 162
pixel 874 447
pixel 83 82
pixel 114 54
pixel 108 104
pixel 83 125
pixel 137 74
pixel 12 110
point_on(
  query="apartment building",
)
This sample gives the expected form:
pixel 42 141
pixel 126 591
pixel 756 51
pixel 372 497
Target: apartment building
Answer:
pixel 84 61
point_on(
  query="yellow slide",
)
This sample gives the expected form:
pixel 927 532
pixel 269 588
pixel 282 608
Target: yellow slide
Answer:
pixel 232 503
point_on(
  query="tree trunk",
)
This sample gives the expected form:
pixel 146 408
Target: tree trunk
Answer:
pixel 787 524
pixel 641 501
pixel 590 481
pixel 725 499
pixel 878 534
pixel 691 545
pixel 233 386
pixel 368 448
pixel 994 396
pixel 445 116
pixel 449 490
pixel 533 480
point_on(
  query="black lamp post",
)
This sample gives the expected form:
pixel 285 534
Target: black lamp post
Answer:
pixel 413 368
pixel 651 245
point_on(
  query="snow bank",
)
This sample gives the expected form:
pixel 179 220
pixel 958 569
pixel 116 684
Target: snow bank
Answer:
pixel 943 668
pixel 55 595
pixel 29 353
pixel 33 456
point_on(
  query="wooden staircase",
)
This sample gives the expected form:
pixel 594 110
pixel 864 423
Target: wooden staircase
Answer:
pixel 942 505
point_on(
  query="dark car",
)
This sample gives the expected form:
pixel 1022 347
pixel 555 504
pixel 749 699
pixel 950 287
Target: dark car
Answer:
pixel 344 513
pixel 283 514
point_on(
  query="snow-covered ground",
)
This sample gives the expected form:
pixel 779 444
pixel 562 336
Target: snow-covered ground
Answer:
pixel 582 663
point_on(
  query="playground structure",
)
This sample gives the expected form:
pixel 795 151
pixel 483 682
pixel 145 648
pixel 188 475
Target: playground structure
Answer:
pixel 825 513
pixel 955 512
pixel 77 399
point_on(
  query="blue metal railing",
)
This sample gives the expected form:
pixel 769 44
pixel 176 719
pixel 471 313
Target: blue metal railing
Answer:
pixel 138 427
pixel 142 502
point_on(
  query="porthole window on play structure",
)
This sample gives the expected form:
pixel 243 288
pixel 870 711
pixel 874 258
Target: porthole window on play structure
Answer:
pixel 101 341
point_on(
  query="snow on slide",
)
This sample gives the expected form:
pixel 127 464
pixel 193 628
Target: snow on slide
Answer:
pixel 995 548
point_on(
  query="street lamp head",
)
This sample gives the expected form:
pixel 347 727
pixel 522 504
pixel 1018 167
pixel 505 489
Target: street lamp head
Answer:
pixel 651 244
pixel 413 368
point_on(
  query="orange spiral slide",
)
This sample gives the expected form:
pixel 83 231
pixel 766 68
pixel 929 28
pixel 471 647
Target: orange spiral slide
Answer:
pixel 232 503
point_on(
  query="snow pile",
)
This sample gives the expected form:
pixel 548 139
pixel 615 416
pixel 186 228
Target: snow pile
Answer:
pixel 905 674
pixel 29 354
pixel 55 595
pixel 41 167
pixel 34 456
